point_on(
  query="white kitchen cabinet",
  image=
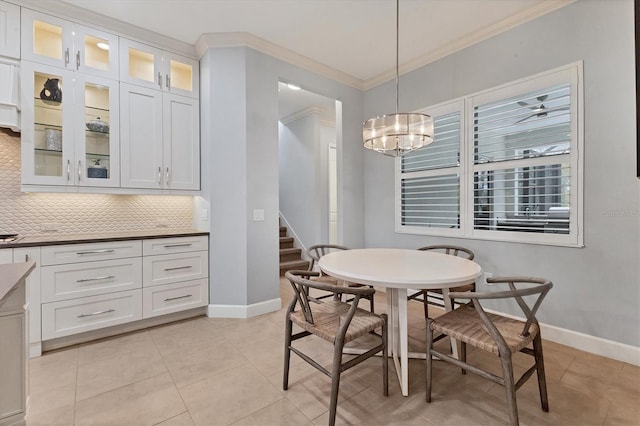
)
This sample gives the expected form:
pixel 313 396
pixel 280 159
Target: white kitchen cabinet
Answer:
pixel 57 42
pixel 160 139
pixel 13 357
pixel 10 30
pixel 74 280
pixel 150 67
pixel 70 128
pixel 175 274
pixel 75 316
pixel 89 286
pixel 175 297
pixel 6 256
pixel 86 252
pixel 26 254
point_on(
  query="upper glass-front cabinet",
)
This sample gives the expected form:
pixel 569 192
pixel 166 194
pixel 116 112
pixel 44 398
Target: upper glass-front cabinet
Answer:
pixel 150 67
pixel 70 128
pixel 58 42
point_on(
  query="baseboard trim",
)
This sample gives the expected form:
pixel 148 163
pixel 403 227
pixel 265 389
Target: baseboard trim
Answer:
pixel 584 342
pixel 592 344
pixel 244 311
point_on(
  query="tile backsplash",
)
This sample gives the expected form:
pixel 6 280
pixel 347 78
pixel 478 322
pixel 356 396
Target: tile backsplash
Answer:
pixel 32 214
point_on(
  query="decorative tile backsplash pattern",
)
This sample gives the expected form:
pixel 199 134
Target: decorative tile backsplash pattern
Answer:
pixel 30 214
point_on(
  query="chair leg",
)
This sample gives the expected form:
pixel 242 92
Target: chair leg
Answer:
pixel 463 355
pixel 335 382
pixel 429 360
pixel 425 305
pixel 385 355
pixel 509 387
pixel 287 353
pixel 542 381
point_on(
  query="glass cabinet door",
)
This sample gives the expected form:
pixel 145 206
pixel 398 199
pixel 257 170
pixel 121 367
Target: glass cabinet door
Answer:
pixel 46 39
pixel 141 64
pixel 97 141
pixel 47 133
pixel 182 75
pixel 54 41
pixel 96 52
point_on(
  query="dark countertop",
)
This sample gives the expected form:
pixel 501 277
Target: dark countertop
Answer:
pixel 57 239
pixel 13 274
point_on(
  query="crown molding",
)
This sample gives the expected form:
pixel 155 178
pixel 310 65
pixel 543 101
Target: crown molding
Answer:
pixel 244 39
pixel 535 11
pixel 301 114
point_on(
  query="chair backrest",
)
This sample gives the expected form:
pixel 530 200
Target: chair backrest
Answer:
pixel 539 286
pixel 319 250
pixel 301 284
pixel 452 250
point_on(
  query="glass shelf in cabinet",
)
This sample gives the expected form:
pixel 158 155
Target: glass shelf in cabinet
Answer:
pixel 44 151
pixel 97 155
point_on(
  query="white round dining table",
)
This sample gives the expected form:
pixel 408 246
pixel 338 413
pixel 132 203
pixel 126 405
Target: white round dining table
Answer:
pixel 398 270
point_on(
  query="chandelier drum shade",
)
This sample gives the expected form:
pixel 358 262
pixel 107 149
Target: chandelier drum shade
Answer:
pixel 397 134
pixel 400 133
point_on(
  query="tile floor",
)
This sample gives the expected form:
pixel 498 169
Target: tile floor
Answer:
pixel 208 371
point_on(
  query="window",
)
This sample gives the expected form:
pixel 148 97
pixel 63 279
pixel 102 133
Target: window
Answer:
pixel 504 165
pixel 429 185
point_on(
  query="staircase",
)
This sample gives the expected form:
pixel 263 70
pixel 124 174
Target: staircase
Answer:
pixel 290 257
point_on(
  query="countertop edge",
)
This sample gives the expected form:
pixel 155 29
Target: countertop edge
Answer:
pixel 12 275
pixel 88 238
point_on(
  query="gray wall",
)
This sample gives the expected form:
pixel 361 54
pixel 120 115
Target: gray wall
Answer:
pixel 239 116
pixel 597 289
pixel 299 182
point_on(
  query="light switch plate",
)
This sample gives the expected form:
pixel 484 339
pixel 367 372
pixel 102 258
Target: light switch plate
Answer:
pixel 258 215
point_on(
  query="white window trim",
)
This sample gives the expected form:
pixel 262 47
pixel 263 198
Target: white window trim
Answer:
pixel 573 73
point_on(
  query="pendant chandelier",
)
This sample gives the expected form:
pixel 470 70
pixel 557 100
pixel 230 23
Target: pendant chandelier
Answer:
pixel 400 133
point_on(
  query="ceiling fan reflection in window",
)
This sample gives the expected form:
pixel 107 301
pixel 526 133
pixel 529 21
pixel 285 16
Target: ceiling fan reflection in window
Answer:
pixel 539 110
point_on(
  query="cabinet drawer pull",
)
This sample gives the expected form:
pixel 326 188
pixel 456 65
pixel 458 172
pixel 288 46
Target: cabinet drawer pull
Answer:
pixel 96 313
pixel 159 79
pixel 78 60
pixel 96 251
pixel 86 280
pixel 66 57
pixel 178 268
pixel 179 297
pixel 178 245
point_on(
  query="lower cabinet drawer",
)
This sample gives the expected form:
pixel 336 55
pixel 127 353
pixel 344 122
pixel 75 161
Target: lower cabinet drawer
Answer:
pixel 90 313
pixel 171 268
pixel 168 298
pixel 61 282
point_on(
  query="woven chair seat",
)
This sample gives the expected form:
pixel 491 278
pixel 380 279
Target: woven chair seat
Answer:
pixel 328 315
pixel 466 287
pixel 335 281
pixel 465 325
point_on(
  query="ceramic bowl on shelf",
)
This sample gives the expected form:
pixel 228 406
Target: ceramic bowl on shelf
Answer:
pixel 98 125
